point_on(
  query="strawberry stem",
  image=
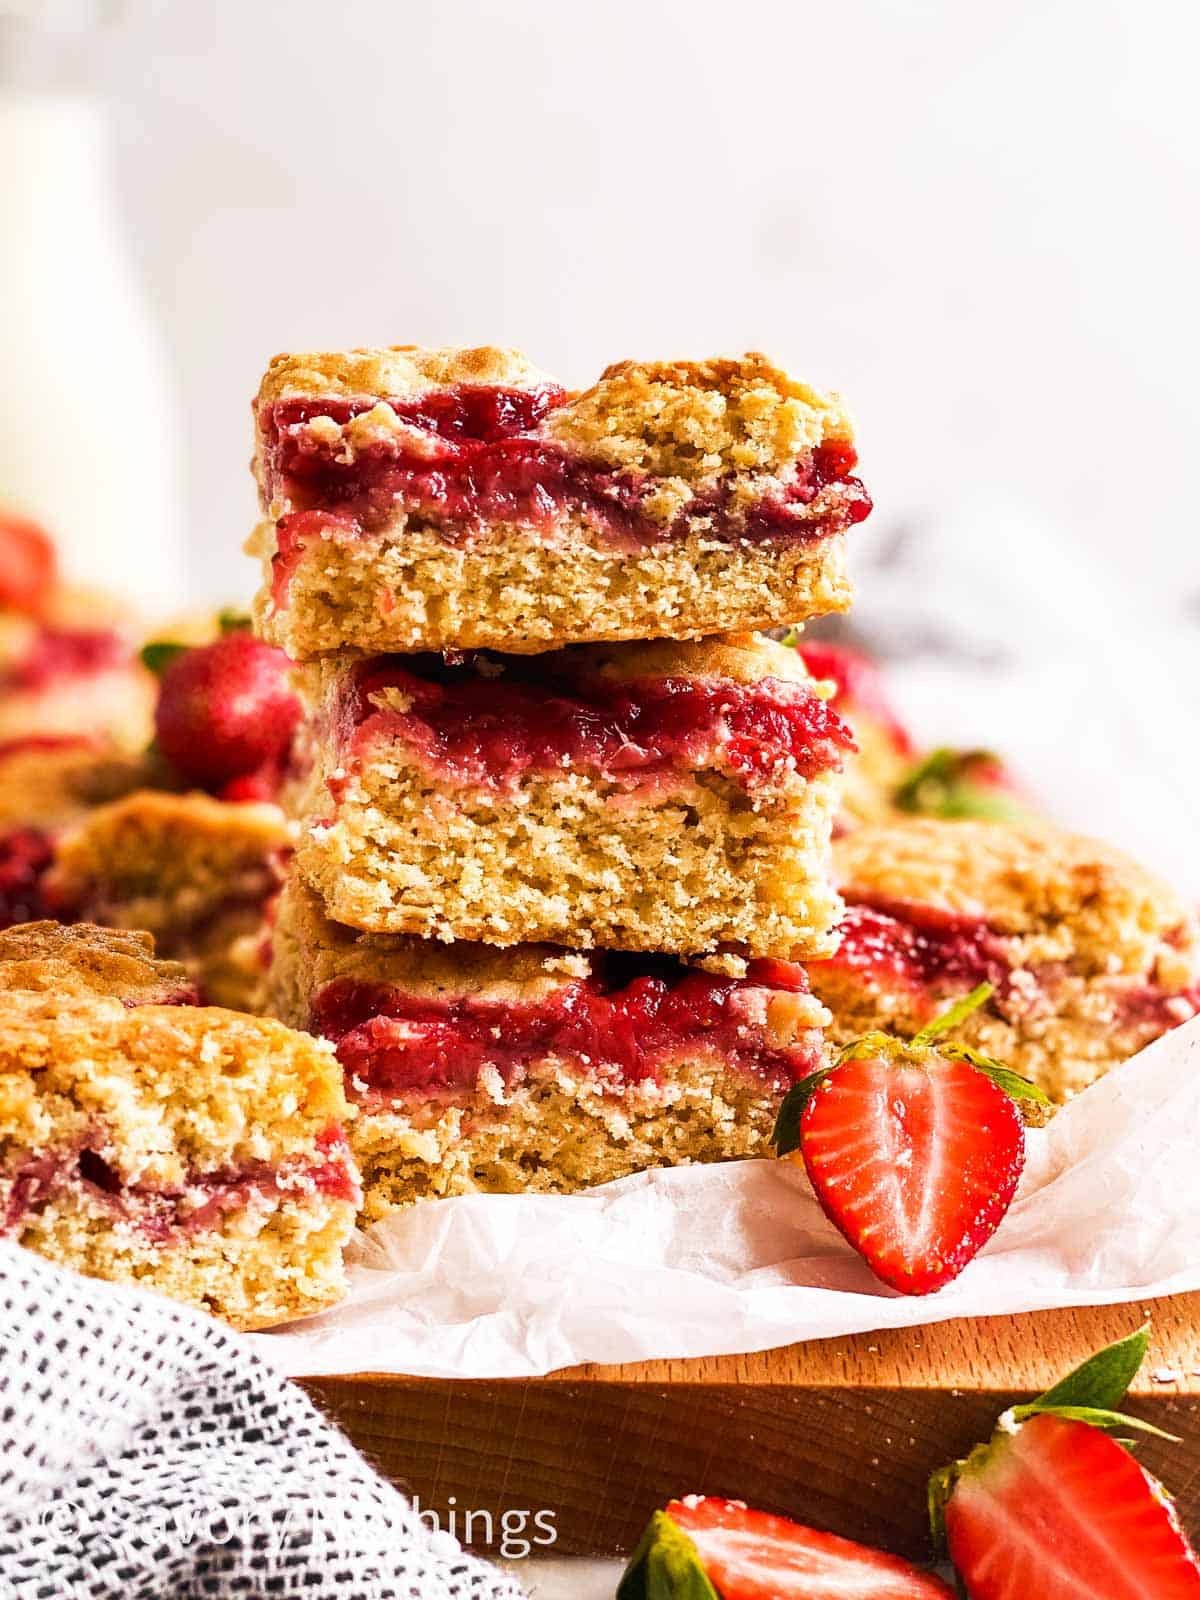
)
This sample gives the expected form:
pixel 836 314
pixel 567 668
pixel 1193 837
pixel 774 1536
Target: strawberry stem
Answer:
pixel 665 1566
pixel 786 1133
pixel 958 1012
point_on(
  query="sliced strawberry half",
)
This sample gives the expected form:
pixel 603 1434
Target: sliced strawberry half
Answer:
pixel 1061 1511
pixel 1056 1507
pixel 913 1148
pixel 27 564
pixel 702 1548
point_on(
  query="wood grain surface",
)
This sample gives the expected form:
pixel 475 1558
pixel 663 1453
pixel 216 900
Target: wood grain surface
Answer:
pixel 842 1433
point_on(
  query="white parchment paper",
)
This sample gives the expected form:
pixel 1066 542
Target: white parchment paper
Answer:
pixel 738 1257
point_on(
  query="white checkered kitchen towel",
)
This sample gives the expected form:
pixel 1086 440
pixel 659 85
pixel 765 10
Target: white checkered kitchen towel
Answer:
pixel 146 1452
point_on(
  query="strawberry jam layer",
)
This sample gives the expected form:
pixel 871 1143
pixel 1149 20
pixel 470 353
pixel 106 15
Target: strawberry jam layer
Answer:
pixel 623 1023
pixel 1148 1010
pixel 860 688
pixel 472 456
pixel 56 654
pixel 900 945
pixel 26 855
pixel 492 730
pixel 160 1214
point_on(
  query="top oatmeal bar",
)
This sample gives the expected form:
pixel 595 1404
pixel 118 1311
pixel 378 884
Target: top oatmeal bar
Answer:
pixel 456 499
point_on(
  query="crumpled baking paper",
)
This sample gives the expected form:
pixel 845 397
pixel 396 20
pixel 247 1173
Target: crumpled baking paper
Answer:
pixel 698 1261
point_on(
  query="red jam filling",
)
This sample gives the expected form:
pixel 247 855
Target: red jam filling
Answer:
pixel 492 730
pixel 156 1212
pixel 44 743
pixel 1151 1011
pixel 860 687
pixel 478 458
pixel 26 855
pixel 58 653
pixel 902 945
pixel 392 1043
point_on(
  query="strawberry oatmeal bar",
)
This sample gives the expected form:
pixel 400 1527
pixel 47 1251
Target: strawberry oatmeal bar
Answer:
pixel 190 1151
pixel 471 1068
pixel 450 499
pixel 666 796
pixel 1090 956
pixel 196 872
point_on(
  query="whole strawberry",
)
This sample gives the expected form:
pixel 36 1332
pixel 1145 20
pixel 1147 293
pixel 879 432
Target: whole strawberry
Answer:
pixel 914 1148
pixel 1056 1507
pixel 27 564
pixel 226 712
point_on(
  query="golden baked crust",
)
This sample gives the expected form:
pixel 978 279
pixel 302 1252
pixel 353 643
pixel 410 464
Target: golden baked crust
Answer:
pixel 50 957
pixel 695 421
pixel 398 371
pixel 171 1105
pixel 1065 897
pixel 309 951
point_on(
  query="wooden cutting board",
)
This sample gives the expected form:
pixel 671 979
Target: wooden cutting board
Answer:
pixel 842 1433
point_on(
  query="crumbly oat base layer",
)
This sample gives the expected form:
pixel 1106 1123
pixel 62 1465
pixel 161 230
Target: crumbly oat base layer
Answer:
pixel 558 1132
pixel 159 1094
pixel 82 959
pixel 1086 929
pixel 406 589
pixel 573 859
pixel 198 873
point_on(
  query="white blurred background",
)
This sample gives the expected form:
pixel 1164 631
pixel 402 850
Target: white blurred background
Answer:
pixel 978 221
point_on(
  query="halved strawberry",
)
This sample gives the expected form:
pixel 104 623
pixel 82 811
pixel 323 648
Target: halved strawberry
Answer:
pixel 702 1549
pixel 913 1148
pixel 27 563
pixel 1055 1507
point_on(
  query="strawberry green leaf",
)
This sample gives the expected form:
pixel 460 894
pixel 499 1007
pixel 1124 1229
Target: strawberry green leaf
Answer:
pixel 1114 1422
pixel 786 1134
pixel 941 786
pixel 230 621
pixel 1013 1084
pixel 941 1487
pixel 1103 1380
pixel 791 638
pixel 958 1012
pixel 158 655
pixel 665 1566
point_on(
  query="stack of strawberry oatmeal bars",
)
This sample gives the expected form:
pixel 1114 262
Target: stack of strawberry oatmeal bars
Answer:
pixel 565 817
pixel 530 843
